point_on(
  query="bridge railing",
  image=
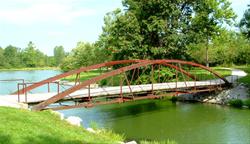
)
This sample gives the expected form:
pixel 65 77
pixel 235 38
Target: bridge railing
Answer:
pixel 24 91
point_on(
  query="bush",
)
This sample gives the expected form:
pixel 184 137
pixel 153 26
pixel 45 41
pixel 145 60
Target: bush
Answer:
pixel 173 99
pixel 236 103
pixel 247 103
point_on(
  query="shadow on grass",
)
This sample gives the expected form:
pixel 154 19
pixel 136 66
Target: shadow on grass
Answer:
pixel 42 139
pixel 45 139
pixel 5 139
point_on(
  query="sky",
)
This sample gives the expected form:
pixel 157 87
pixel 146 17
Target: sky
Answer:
pixel 50 23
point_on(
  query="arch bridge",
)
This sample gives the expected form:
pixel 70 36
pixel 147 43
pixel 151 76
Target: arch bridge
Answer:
pixel 122 81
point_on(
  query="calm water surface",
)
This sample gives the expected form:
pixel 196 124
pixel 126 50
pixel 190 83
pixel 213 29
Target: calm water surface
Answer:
pixel 28 76
pixel 159 119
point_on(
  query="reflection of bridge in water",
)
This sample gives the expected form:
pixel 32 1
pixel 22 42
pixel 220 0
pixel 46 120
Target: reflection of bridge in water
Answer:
pixel 122 81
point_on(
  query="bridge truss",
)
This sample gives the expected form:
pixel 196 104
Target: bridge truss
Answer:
pixel 129 80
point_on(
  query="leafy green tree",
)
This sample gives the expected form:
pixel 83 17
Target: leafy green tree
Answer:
pixel 59 55
pixel 32 57
pixel 29 55
pixel 209 17
pixel 82 55
pixel 245 23
pixel 12 56
pixel 50 61
pixel 68 63
pixel 228 48
pixel 156 29
pixel 2 58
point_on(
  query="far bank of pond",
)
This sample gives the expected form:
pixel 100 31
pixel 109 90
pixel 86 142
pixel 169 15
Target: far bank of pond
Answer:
pixel 29 69
pixel 157 119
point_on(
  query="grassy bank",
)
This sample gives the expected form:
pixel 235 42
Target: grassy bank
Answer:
pixel 83 76
pixel 28 69
pixel 22 126
pixel 246 79
pixel 205 75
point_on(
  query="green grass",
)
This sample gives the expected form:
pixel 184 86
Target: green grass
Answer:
pixel 201 74
pixel 158 142
pixel 84 76
pixel 246 79
pixel 28 69
pixel 23 126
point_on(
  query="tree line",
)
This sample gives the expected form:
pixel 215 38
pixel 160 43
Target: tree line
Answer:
pixel 29 57
pixel 195 30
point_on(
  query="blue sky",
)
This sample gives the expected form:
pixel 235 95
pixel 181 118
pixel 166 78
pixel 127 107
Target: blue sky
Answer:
pixel 48 23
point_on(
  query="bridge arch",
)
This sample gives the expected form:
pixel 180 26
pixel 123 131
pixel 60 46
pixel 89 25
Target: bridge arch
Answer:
pixel 137 64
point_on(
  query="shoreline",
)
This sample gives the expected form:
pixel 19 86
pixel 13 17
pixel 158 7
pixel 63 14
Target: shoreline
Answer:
pixel 239 91
pixel 29 69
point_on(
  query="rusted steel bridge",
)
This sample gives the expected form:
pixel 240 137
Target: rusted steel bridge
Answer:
pixel 121 81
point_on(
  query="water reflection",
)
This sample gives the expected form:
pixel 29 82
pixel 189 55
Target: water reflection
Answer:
pixel 161 120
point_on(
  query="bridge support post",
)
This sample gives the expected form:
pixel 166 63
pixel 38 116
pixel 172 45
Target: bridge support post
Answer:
pixel 18 92
pixel 48 87
pixel 176 80
pixel 89 92
pixel 126 78
pixel 58 87
pixel 152 79
pixel 195 84
pixel 25 85
pixel 121 83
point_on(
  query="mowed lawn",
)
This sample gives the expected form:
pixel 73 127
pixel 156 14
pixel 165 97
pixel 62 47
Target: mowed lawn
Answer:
pixel 202 74
pixel 24 127
pixel 83 76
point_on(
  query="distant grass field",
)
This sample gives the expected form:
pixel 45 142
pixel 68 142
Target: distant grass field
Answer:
pixel 23 127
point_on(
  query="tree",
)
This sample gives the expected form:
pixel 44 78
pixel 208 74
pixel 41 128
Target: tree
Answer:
pixel 245 23
pixel 82 55
pixel 209 17
pixel 29 55
pixel 228 48
pixel 156 29
pixel 12 56
pixel 59 55
pixel 32 57
pixel 2 58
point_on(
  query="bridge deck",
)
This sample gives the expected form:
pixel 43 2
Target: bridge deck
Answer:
pixel 108 91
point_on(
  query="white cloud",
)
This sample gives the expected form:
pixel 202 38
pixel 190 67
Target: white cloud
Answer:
pixel 42 11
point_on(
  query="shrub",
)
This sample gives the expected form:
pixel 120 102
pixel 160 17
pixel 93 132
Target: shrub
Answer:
pixel 173 99
pixel 236 103
pixel 247 103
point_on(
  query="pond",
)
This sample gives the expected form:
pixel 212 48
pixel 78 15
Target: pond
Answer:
pixel 158 119
pixel 29 76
